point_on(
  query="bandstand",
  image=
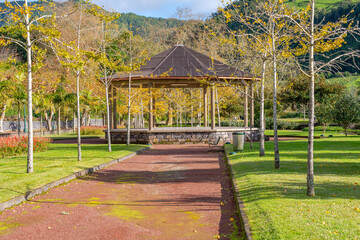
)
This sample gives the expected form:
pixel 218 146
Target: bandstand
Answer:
pixel 182 67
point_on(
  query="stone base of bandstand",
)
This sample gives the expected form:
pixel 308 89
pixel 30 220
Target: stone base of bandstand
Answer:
pixel 185 135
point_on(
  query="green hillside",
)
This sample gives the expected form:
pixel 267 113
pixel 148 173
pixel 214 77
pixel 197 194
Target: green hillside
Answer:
pixel 320 4
pixel 350 82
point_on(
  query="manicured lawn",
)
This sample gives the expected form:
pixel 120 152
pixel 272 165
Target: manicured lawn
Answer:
pixel 296 120
pixel 299 133
pixel 58 162
pixel 70 136
pixel 276 202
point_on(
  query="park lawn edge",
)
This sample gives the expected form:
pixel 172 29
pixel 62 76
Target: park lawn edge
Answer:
pixel 239 202
pixel 34 192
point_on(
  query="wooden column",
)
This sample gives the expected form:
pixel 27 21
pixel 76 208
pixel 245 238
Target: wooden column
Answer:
pixel 213 108
pixel 246 107
pixel 251 105
pixel 154 118
pixel 110 107
pixel 115 120
pixel 151 118
pixel 205 106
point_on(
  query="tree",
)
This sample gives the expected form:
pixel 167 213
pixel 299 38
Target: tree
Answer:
pixel 346 111
pixel 26 19
pixel 312 41
pixel 58 100
pixel 258 25
pixel 5 90
pixel 295 92
pixel 324 114
pixel 74 54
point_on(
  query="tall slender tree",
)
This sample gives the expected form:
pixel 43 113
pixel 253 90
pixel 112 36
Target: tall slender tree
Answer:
pixel 28 19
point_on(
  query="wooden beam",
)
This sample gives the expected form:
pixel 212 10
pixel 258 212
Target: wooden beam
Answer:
pixel 154 117
pixel 110 107
pixel 205 95
pixel 213 108
pixel 151 118
pixel 251 105
pixel 246 107
pixel 115 120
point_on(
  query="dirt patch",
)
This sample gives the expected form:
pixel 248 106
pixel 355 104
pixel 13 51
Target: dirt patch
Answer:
pixel 168 192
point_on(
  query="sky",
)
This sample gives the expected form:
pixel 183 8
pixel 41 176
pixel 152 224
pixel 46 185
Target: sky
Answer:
pixel 159 8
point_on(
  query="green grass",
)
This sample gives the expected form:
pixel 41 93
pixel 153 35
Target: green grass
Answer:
pixel 296 120
pixel 319 3
pixel 299 133
pixel 58 162
pixel 349 82
pixel 276 202
pixel 70 136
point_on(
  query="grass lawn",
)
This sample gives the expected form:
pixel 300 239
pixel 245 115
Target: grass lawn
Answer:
pixel 299 133
pixel 276 202
pixel 296 120
pixel 60 161
pixel 70 136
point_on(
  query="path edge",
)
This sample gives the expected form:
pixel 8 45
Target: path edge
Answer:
pixel 239 202
pixel 34 192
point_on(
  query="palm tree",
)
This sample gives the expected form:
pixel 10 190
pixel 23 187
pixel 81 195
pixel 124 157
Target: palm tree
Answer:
pixel 19 94
pixel 58 100
pixel 5 90
pixel 70 103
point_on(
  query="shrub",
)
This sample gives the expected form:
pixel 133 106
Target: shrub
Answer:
pixel 14 145
pixel 92 130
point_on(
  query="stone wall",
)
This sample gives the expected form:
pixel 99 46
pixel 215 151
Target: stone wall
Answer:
pixel 177 137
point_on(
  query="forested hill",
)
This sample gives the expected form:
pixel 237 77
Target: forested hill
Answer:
pixel 135 22
pixel 130 20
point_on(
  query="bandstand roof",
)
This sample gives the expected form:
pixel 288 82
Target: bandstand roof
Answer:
pixel 181 67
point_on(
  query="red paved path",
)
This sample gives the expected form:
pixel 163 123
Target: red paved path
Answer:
pixel 169 192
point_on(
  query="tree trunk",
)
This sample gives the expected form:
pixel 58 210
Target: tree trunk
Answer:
pixel 30 157
pixel 169 120
pixel 108 127
pixel 310 163
pixel 59 121
pixel 276 138
pixel 88 116
pixel 78 114
pixel 74 121
pixel 142 115
pixel 262 112
pixel 66 122
pixel 18 125
pixel 129 112
pixel 304 112
pixel 41 125
pixel 2 117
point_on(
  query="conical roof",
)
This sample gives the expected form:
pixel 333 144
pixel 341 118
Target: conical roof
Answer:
pixel 181 61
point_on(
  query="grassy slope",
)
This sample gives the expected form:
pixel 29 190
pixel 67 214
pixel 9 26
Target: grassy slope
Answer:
pixel 349 82
pixel 276 201
pixel 319 3
pixel 58 162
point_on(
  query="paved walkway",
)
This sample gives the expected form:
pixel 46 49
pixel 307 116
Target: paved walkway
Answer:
pixel 169 192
